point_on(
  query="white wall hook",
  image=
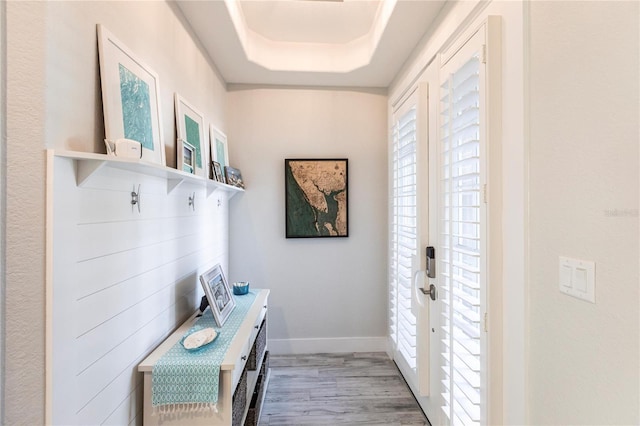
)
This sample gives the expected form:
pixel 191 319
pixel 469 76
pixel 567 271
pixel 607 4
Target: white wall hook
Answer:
pixel 192 201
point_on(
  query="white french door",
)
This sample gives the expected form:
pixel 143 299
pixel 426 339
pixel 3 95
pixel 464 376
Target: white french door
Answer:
pixel 439 187
pixel 460 234
pixel 403 237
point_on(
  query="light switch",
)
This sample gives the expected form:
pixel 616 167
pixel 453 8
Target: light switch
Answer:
pixel 577 278
pixel 580 281
pixel 565 275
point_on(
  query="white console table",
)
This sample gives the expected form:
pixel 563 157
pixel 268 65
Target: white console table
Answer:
pixel 232 375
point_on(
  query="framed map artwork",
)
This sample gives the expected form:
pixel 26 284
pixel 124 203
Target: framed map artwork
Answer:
pixel 316 202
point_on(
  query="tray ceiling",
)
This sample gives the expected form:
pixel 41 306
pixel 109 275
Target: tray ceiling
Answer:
pixel 357 43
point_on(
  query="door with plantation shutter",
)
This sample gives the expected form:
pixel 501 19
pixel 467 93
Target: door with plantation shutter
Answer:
pixel 460 233
pixel 439 192
pixel 403 236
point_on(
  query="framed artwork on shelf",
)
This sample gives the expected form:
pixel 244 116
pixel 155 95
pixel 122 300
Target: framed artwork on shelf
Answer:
pixel 316 201
pixel 130 98
pixel 217 172
pixel 233 177
pixel 218 147
pixel 190 131
pixel 218 294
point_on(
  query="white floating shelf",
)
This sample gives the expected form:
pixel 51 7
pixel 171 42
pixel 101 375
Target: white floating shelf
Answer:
pixel 88 163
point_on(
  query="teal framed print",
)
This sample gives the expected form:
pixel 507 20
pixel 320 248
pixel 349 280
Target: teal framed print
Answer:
pixel 130 98
pixel 219 149
pixel 190 131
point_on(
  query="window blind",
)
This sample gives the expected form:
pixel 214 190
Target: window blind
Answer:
pixel 403 235
pixel 459 230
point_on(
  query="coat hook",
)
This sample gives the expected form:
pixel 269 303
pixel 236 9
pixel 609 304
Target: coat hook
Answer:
pixel 135 197
pixel 192 201
pixel 219 202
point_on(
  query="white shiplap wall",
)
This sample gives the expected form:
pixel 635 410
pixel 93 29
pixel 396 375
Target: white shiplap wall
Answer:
pixel 121 282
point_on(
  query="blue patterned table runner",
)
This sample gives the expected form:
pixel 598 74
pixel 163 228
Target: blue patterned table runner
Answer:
pixel 189 380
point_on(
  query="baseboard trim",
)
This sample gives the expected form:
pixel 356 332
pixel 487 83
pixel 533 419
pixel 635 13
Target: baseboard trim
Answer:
pixel 327 345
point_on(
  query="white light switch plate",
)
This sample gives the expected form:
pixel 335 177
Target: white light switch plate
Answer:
pixel 577 278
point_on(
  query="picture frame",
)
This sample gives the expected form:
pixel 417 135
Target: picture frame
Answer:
pixel 218 146
pixel 218 293
pixel 130 97
pixel 190 130
pixel 233 177
pixel 316 198
pixel 217 172
pixel 188 157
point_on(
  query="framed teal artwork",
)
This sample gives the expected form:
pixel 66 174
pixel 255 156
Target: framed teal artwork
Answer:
pixel 130 98
pixel 218 147
pixel 190 131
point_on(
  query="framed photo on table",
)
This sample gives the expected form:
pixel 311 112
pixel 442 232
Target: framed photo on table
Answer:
pixel 218 294
pixel 130 97
pixel 190 130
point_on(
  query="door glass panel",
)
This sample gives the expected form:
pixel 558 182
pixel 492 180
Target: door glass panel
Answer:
pixel 403 236
pixel 460 280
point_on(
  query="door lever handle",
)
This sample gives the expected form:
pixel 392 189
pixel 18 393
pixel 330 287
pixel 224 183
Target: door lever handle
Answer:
pixel 432 292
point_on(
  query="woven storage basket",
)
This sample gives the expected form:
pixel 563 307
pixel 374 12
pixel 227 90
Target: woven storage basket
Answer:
pixel 265 364
pixel 239 400
pixel 253 415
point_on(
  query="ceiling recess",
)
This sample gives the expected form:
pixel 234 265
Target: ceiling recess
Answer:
pixel 359 43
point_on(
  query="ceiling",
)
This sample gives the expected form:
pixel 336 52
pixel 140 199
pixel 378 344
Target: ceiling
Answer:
pixel 354 43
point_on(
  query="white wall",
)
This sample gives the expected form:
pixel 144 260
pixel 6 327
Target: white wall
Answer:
pixel 326 294
pixel 25 213
pixel 121 281
pixel 584 358
pixel 3 191
pixel 53 100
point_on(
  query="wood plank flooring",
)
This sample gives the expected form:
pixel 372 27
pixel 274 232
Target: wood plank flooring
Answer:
pixel 338 389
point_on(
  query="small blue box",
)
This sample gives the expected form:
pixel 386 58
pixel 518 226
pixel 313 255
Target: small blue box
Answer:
pixel 240 288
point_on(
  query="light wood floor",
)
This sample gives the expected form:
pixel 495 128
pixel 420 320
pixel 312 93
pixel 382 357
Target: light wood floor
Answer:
pixel 338 389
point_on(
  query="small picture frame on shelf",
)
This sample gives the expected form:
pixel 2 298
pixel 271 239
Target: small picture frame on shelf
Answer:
pixel 217 172
pixel 218 294
pixel 234 177
pixel 188 157
pixel 190 129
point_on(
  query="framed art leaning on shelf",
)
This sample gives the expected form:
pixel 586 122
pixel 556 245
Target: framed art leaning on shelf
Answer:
pixel 217 172
pixel 218 146
pixel 233 177
pixel 130 98
pixel 190 132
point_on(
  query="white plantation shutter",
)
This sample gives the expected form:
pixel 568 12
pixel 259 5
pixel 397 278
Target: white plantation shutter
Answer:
pixel 460 264
pixel 403 235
